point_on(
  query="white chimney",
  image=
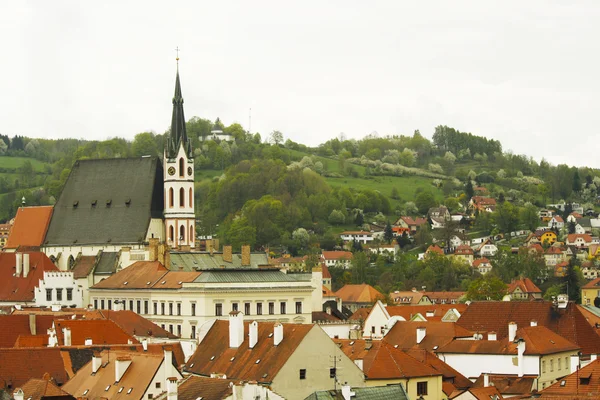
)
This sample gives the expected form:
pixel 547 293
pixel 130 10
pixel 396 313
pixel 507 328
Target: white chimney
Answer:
pixel 25 265
pixel 492 336
pixel 67 336
pixel 121 365
pixel 253 334
pixel 574 362
pixel 88 341
pixel 236 329
pixel 96 362
pixel 19 263
pixel 172 388
pixel 421 332
pixel 520 358
pixel 533 322
pixel 168 361
pixel 277 333
pixel 347 392
pixel 512 331
pixel 486 380
pixel 145 344
pixel 593 357
pixel 18 394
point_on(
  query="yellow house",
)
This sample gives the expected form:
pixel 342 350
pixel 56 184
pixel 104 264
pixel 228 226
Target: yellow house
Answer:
pixel 594 251
pixel 590 291
pixel 548 237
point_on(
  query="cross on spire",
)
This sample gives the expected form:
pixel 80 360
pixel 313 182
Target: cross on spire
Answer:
pixel 177 58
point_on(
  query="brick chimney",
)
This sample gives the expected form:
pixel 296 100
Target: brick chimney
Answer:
pixel 227 254
pixel 512 331
pixel 245 256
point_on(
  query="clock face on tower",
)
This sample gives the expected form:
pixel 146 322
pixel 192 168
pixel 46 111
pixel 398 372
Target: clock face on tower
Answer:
pixel 171 170
pixel 190 171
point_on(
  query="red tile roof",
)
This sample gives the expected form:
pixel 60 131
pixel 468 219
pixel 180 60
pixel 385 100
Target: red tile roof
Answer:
pixel 336 255
pixel 99 330
pixel 325 271
pixel 525 284
pixel 359 294
pixel 404 334
pixel 554 250
pixel 574 236
pixel 464 249
pixel 29 229
pixel 31 341
pixel 485 393
pixel 327 292
pixel 20 288
pixel 14 326
pixel 83 266
pixel 147 275
pixel 39 389
pixel 434 248
pixel 509 384
pixel 438 310
pixel 135 325
pixel 558 218
pixel 479 261
pixel 458 380
pixel 213 354
pixel 198 387
pixel 585 382
pixel 593 284
pixel 17 366
pixel 323 316
pixel 361 314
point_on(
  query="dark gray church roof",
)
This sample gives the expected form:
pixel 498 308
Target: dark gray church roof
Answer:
pixel 178 135
pixel 107 264
pixel 108 201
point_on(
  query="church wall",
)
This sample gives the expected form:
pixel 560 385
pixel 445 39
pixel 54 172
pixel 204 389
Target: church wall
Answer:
pixel 92 250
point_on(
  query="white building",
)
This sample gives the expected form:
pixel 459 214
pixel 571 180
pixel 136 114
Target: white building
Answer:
pixel 359 236
pixel 58 288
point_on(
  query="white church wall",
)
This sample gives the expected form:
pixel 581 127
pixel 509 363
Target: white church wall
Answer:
pixel 156 229
pixel 58 288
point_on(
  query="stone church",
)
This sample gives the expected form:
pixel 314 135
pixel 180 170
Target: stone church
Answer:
pixel 111 208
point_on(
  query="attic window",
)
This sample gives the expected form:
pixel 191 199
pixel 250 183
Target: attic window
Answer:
pixel 191 365
pixel 121 389
pixel 212 358
pixel 86 391
pixel 125 283
pixel 108 202
pixel 435 347
pixel 106 388
pixel 147 283
pixel 232 358
pixel 395 346
pixel 352 343
pixel 75 203
pixel 270 335
pixel 129 390
pixel 257 361
pixel 128 202
pixel 563 382
pixel 180 282
pixel 163 282
pixel 264 376
pixel 94 203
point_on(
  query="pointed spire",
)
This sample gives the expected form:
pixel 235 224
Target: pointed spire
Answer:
pixel 178 132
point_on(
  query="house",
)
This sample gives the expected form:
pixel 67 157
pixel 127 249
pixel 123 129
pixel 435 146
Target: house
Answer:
pixel 337 258
pixel 510 385
pixel 560 269
pixel 29 228
pixel 434 249
pixel 482 204
pixel 413 224
pixel 123 374
pixel 531 350
pixel 464 253
pixel 523 289
pixel 578 240
pixel 574 217
pixel 554 255
pixel 439 212
pixel 479 393
pixel 587 224
pixel 556 222
pixel 412 297
pixel 19 365
pixel 589 271
pixel 590 292
pixel 181 301
pixel 358 296
pixel 541 236
pixel 583 383
pixel 545 215
pixel 196 387
pixel 365 393
pixel 482 265
pixel 486 249
pixel 425 335
pixel 326 276
pixel 445 297
pixel 290 263
pixel 398 231
pixel 363 237
pixel 292 360
pixel 594 251
pixel 383 249
pixel 40 389
pixel 384 364
pixel 4 231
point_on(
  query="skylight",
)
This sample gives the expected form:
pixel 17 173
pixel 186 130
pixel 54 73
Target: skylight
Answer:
pixel 191 365
pixel 106 388
pixel 232 358
pixel 270 335
pixel 563 383
pixel 86 391
pixel 121 389
pixel 125 283
pixel 212 358
pixel 352 343
pixel 257 361
pixel 129 390
pixel 163 282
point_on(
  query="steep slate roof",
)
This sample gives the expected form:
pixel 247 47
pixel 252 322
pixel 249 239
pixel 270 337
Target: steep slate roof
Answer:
pixel 107 263
pixel 20 365
pixel 494 316
pixel 404 334
pixel 240 363
pixel 99 330
pixel 395 391
pixel 205 260
pixel 38 389
pixel 29 229
pixel 18 288
pixel 525 284
pixel 325 271
pixel 178 135
pixel 76 220
pixel 381 360
pixel 359 294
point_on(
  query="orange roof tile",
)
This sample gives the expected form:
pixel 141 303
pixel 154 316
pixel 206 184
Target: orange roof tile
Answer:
pixel 199 387
pixel 83 266
pixel 29 229
pixel 146 275
pixel 404 334
pixel 434 248
pixel 525 284
pixel 438 310
pixel 485 393
pixel 574 236
pixel 20 288
pixel 406 296
pixel 361 314
pixel 359 294
pixel 31 341
pixel 585 382
pixel 509 384
pixel 327 292
pixel 336 255
pixel 593 284
pixel 479 261
pixel 135 325
pixel 464 249
pixel 20 365
pixel 459 381
pixel 322 316
pixel 325 271
pixel 99 330
pixel 38 389
pixel 14 326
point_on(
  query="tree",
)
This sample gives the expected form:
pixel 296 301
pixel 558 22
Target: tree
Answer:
pixel 403 240
pixel 276 137
pixel 360 219
pixel 336 217
pixel 488 287
pixel 395 195
pixel 506 217
pixel 573 279
pixel 469 191
pixel 388 234
pixel 447 232
pixel 529 217
pixel 144 145
pixel 360 261
pixel 301 236
pixel 571 227
pixel 424 201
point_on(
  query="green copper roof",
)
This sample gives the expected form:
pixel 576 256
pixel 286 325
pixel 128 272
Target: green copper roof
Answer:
pixel 206 261
pixel 178 135
pixel 395 391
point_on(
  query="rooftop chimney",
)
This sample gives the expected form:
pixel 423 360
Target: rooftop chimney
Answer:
pixel 18 394
pixel 25 265
pixel 574 363
pixel 19 263
pixel 492 336
pixel 245 256
pixel 512 331
pixel 172 388
pixel 253 334
pixel 67 336
pixel 347 392
pixel 168 360
pixel 236 329
pixel 121 366
pixel 32 325
pixel 421 332
pixel 533 322
pixel 96 362
pixel 520 360
pixel 277 333
pixel 227 255
pixel 145 344
pixel 486 380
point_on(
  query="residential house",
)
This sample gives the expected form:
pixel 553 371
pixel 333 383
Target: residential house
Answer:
pixel 574 217
pixel 510 385
pixel 358 296
pixel 292 360
pixel 531 350
pixel 122 374
pixel 554 255
pixel 590 292
pixel 486 249
pixel 464 253
pixel 434 249
pixel 19 365
pixel 384 364
pixel 326 276
pixel 398 231
pixel 4 231
pixel 367 393
pixel 586 224
pixel 523 289
pixel 541 236
pixel 40 389
pixel 545 214
pixel 438 217
pixel 583 383
pixel 560 269
pixel 336 258
pixel 556 222
pixel 482 204
pixel 482 265
pixel 196 387
pixel 589 271
pixel 409 297
pixel 363 237
pixel 594 251
pixel 29 229
pixel 445 297
pixel 413 224
pixel 579 241
pixel 425 335
pixel 384 249
pixel 290 263
pixel 478 393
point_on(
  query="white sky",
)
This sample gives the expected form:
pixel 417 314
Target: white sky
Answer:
pixel 525 73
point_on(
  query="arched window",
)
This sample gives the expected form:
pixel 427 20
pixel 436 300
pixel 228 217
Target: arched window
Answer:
pixel 71 262
pixel 182 233
pixel 171 197
pixel 191 234
pixel 181 171
pixel 191 203
pixel 171 234
pixel 181 198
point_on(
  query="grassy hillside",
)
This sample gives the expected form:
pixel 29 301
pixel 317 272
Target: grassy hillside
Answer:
pixel 15 162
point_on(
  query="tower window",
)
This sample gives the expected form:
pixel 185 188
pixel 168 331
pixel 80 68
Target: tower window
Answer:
pixel 171 234
pixel 191 200
pixel 171 197
pixel 181 171
pixel 191 234
pixel 181 198
pixel 182 233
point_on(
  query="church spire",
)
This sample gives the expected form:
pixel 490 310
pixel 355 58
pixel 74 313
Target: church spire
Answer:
pixel 178 133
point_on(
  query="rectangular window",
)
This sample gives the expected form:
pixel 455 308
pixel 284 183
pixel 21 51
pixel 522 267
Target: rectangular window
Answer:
pixel 170 308
pixel 298 307
pixel 178 308
pixel 258 308
pixel 559 363
pixel 171 328
pixel 162 308
pixel 373 329
pixel 193 331
pixel 146 307
pixel 139 306
pixel 102 304
pixel 150 396
pixel 58 294
pixel 302 374
pixel 421 388
pixel 49 295
pixel 110 304
pixel 218 309
pixel 95 301
pixel 179 330
pixel 234 306
pixel 332 372
pixel 271 308
pixel 162 326
pixel 551 365
pixel 69 294
pixel 543 366
pixel 282 307
pixel 157 385
pixel 131 305
pixel 247 308
pixel 155 305
pixel 193 309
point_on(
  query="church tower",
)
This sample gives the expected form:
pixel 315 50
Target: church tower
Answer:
pixel 178 162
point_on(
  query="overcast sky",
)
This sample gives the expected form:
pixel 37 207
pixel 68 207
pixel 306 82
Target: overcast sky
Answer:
pixel 522 72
